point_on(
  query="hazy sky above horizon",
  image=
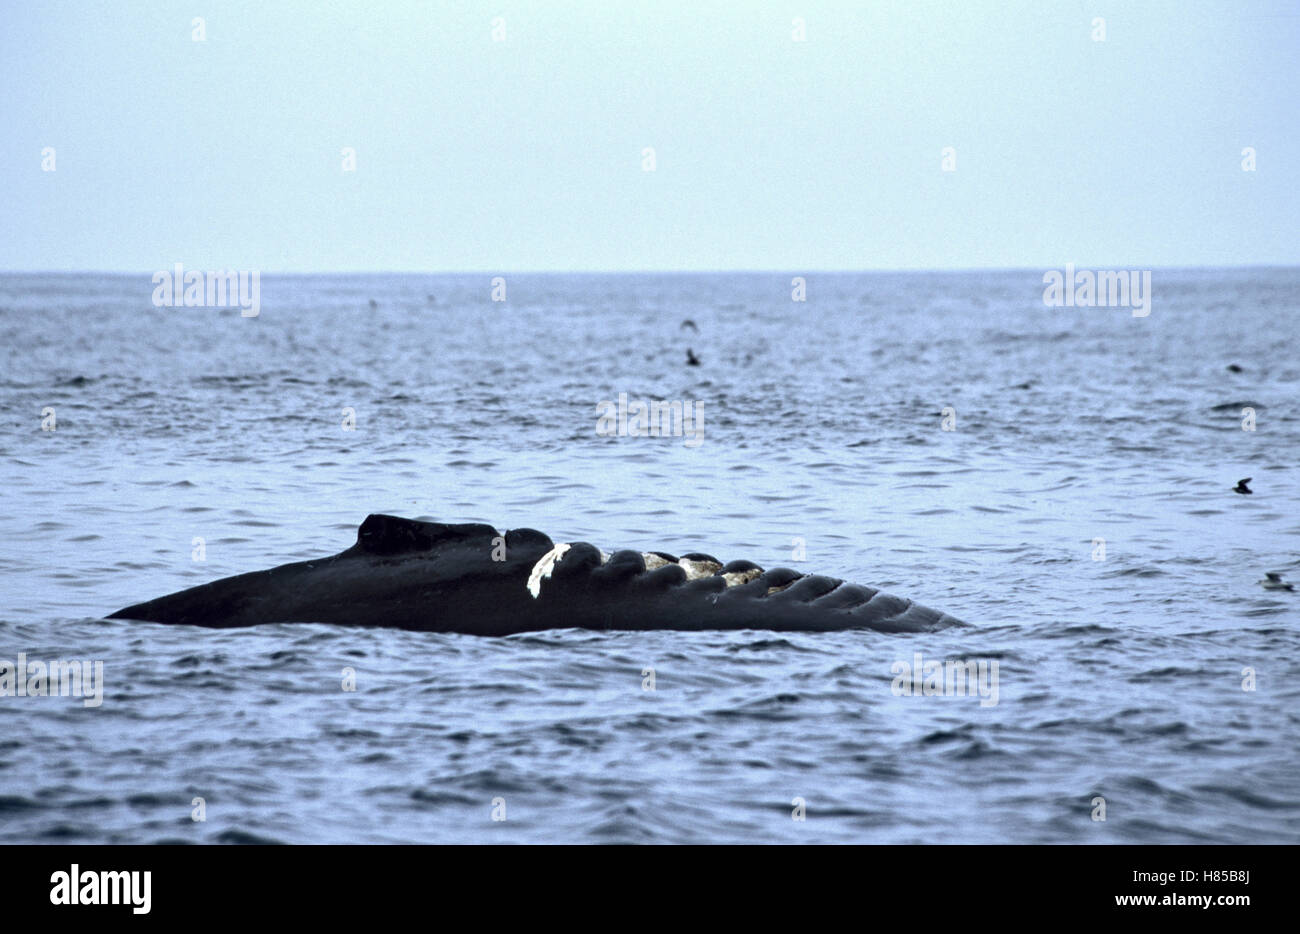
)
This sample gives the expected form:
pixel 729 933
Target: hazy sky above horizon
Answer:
pixel 528 153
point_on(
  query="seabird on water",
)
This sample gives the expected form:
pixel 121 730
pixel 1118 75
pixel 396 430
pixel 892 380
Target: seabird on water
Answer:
pixel 1273 581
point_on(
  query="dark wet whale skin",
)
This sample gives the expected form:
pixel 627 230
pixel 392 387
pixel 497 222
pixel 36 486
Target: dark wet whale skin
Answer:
pixel 433 577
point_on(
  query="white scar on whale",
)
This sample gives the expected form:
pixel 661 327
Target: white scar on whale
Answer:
pixel 543 568
pixel 694 569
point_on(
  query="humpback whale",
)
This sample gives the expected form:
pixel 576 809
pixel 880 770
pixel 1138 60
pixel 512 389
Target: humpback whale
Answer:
pixel 436 577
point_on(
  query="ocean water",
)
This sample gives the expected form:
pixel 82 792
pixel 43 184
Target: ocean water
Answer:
pixel 1122 679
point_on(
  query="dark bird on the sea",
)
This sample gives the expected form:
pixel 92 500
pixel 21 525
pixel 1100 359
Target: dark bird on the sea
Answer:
pixel 1273 581
pixel 1233 368
pixel 688 323
pixel 374 304
pixel 1241 486
pixel 691 359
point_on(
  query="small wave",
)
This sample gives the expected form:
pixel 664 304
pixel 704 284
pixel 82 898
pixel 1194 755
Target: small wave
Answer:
pixel 245 838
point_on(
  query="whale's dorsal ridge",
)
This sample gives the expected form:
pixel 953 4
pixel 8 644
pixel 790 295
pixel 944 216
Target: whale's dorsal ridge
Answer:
pixel 428 576
pixel 392 535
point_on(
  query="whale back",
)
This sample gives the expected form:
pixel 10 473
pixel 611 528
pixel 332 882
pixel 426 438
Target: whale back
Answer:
pixel 392 535
pixel 441 577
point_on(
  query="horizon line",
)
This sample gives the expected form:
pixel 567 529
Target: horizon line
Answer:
pixel 649 272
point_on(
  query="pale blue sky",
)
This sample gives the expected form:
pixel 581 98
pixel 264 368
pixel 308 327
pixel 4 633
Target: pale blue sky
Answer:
pixel 527 154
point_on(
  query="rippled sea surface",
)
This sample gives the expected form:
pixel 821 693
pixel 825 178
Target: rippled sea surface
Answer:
pixel 1122 678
